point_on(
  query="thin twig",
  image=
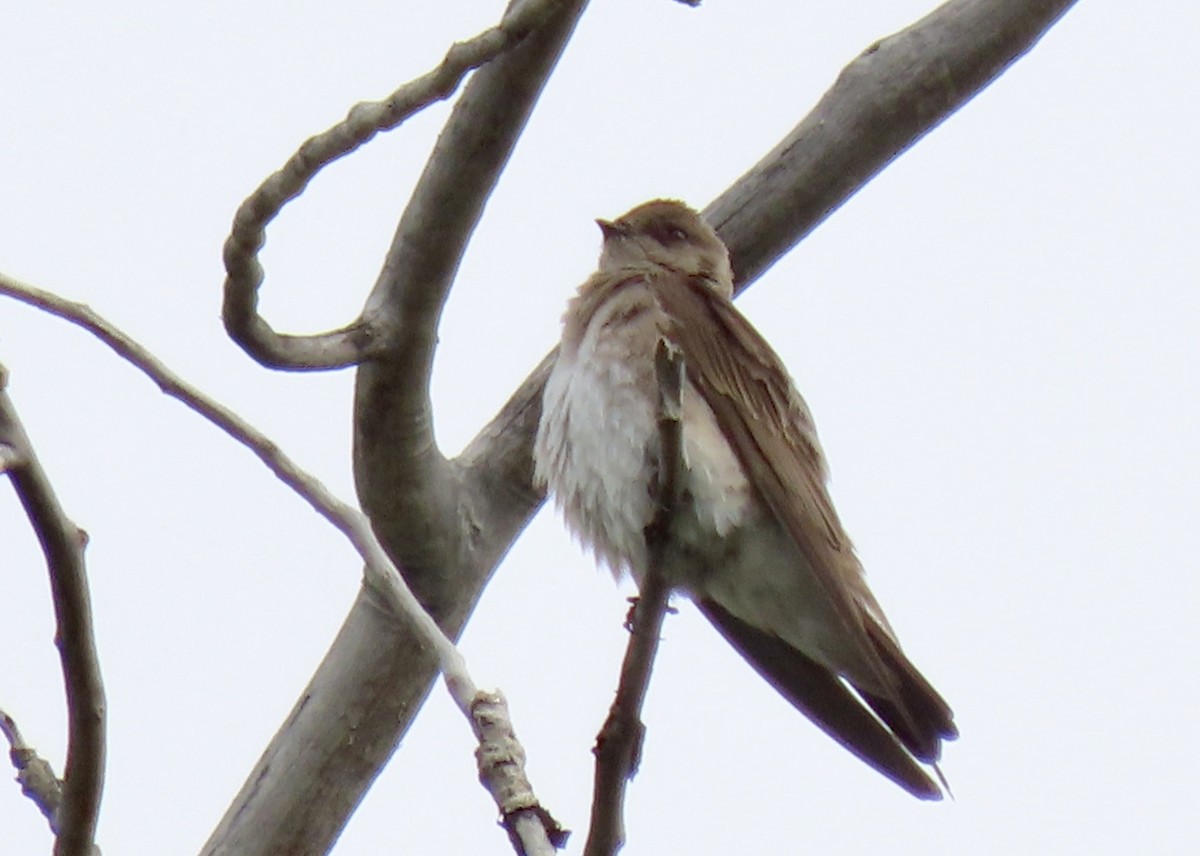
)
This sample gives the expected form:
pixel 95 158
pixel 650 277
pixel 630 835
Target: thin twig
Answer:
pixel 62 543
pixel 34 773
pixel 381 572
pixel 351 344
pixel 619 744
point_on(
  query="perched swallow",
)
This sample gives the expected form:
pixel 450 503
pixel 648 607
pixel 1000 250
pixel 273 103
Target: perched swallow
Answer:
pixel 755 541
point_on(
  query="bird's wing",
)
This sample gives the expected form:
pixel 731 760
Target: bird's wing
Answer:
pixel 773 434
pixel 776 442
pixel 823 698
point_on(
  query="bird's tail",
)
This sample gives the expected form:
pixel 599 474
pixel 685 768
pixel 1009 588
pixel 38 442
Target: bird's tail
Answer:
pixel 900 735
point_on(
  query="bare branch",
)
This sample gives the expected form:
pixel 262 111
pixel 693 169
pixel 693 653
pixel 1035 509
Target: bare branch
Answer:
pixel 381 572
pixel 619 745
pixel 501 760
pixel 62 543
pixel 486 492
pixel 486 712
pixel 353 343
pixel 404 482
pixel 376 675
pixel 887 98
pixel 34 773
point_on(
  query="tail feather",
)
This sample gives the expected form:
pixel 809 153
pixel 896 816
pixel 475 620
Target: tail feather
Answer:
pixel 888 745
pixel 919 716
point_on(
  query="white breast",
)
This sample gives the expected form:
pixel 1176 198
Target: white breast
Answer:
pixel 597 444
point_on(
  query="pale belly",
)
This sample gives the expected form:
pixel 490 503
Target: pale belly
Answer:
pixel 597 451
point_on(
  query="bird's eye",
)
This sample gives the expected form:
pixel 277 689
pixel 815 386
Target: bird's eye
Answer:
pixel 670 235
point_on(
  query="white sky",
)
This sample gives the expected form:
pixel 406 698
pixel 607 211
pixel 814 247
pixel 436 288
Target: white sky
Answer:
pixel 998 337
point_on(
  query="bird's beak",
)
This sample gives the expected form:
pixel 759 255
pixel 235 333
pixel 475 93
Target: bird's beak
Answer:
pixel 610 229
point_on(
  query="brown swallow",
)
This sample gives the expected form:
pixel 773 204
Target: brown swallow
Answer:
pixel 755 541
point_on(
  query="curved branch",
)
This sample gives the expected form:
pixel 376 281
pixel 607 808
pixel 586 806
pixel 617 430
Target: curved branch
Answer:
pixel 63 542
pixel 351 344
pixel 404 483
pixel 364 694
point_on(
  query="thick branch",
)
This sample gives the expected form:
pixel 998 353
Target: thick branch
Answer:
pixel 885 100
pixel 351 716
pixel 891 95
pixel 404 483
pixel 63 543
pixel 351 344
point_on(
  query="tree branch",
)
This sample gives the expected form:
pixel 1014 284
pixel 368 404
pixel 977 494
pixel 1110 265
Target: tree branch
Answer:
pixel 374 675
pixel 501 760
pixel 892 94
pixel 381 574
pixel 34 773
pixel 349 719
pixel 405 484
pixel 619 745
pixel 62 543
pixel 353 343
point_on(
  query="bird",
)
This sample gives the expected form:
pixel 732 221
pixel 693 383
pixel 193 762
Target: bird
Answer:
pixel 754 540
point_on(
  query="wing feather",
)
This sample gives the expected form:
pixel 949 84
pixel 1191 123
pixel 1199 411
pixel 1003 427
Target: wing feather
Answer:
pixel 767 422
pixel 769 426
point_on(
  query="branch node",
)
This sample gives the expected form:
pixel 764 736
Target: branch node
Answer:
pixel 34 774
pixel 501 761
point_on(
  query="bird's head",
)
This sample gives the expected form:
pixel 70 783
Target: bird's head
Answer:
pixel 668 234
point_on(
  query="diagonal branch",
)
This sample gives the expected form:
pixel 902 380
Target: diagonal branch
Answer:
pixel 486 712
pixel 452 522
pixel 62 542
pixel 353 343
pixel 885 100
pixel 381 572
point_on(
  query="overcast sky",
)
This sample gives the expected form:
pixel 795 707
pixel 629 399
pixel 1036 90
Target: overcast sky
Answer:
pixel 999 338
